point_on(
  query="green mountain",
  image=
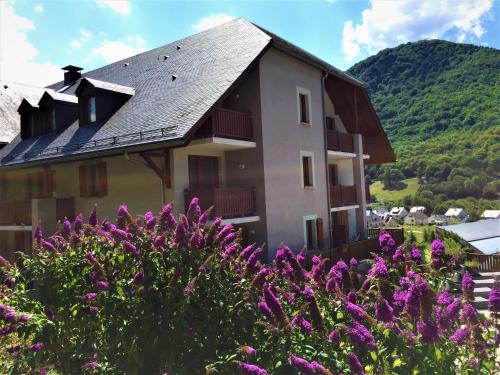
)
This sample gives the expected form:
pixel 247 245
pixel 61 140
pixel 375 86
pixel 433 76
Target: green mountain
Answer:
pixel 439 103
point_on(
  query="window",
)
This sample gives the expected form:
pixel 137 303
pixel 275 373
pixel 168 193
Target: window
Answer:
pixel 91 112
pixel 40 185
pixel 93 180
pixel 307 168
pixel 310 232
pixel 32 130
pixel 304 106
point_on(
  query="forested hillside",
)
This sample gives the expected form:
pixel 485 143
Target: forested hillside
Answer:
pixel 439 104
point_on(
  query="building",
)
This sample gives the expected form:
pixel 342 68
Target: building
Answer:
pixel 398 212
pixel 418 209
pixel 439 220
pixel 274 137
pixel 456 213
pixel 389 222
pixel 416 218
pixel 482 236
pixel 374 220
pixel 491 214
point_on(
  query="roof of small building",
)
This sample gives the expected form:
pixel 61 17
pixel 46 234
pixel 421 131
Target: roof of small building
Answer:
pixel 418 215
pixel 483 234
pixel 491 214
pixel 397 210
pixel 174 88
pixel 417 208
pixel 454 211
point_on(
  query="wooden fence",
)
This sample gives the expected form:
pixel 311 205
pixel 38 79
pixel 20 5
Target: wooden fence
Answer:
pixel 485 263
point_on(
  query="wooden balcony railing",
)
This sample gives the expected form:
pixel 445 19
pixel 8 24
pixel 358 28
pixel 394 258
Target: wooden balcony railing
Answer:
pixel 227 202
pixel 485 263
pixel 341 195
pixel 340 141
pixel 19 212
pixel 396 233
pixel 232 124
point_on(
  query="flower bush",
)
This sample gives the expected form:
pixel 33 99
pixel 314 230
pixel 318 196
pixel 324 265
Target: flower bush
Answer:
pixel 160 294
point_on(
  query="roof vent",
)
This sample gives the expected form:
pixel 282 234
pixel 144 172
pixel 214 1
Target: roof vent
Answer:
pixel 165 57
pixel 178 48
pixel 174 77
pixel 126 64
pixel 71 74
pixel 5 86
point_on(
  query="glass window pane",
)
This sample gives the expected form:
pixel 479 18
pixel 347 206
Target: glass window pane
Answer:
pixel 92 111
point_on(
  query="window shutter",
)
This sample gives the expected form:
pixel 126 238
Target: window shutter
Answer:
pixel 28 186
pixel 320 233
pixel 40 176
pixel 83 181
pixel 48 183
pixel 306 171
pixel 102 179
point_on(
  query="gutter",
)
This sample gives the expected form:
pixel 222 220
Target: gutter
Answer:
pixel 325 140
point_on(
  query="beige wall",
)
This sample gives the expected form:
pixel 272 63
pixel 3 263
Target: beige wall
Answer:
pixel 287 202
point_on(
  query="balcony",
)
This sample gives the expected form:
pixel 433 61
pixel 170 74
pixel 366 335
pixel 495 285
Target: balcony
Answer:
pixel 341 195
pixel 227 202
pixel 340 142
pixel 228 123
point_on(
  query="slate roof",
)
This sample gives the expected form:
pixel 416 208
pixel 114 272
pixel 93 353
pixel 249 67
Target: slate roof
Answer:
pixel 109 86
pixel 11 95
pixel 484 235
pixel 205 66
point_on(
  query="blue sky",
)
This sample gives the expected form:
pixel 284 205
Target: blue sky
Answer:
pixel 38 37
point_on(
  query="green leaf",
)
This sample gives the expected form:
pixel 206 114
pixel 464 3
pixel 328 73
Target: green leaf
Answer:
pixel 374 356
pixel 398 362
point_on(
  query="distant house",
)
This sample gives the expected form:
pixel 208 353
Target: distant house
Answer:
pixel 439 220
pixel 491 214
pixel 456 213
pixel 390 222
pixel 398 212
pixel 374 220
pixel 417 209
pixel 416 218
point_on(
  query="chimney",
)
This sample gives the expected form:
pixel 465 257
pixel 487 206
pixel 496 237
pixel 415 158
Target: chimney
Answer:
pixel 71 74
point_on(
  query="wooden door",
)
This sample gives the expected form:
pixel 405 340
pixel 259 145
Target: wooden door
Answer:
pixel 340 227
pixel 333 174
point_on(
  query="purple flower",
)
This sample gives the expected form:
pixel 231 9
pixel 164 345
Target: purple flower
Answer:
pixel 302 365
pixel 437 248
pixel 181 231
pixel 384 311
pixel 88 297
pixel 399 255
pixel 460 336
pixel 90 257
pixel 467 284
pixel 356 312
pixel 102 285
pixel 24 318
pixel 304 325
pixel 353 262
pixel 334 337
pixel 91 310
pixel 130 248
pixel 254 257
pixel 90 365
pixel 48 246
pixel 93 217
pixel 38 234
pixel 119 234
pixel 453 309
pixel 229 251
pixel 412 301
pixel 248 350
pixel 36 347
pixel 379 268
pixel 494 298
pixel 138 278
pixel 247 251
pixel 66 229
pixel 159 242
pixel 469 313
pixel 416 254
pixel 445 298
pixel 429 330
pixel 361 337
pixel 356 366
pixel 122 211
pixel 50 313
pixel 6 330
pixel 249 369
pixel 273 303
pixel 10 316
pixel 264 308
pixel 4 308
pixel 78 222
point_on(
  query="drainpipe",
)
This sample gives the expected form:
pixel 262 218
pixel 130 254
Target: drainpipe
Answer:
pixel 325 139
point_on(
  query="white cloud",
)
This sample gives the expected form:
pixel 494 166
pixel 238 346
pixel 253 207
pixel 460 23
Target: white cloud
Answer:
pixel 17 55
pixel 212 20
pixel 122 7
pixel 389 23
pixel 113 50
pixel 39 8
pixel 84 37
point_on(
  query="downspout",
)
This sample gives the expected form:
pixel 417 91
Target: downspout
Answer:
pixel 325 140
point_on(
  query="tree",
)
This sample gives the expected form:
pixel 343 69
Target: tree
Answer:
pixel 392 179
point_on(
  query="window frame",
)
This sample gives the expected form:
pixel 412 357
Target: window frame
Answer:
pixel 307 93
pixel 305 219
pixel 310 156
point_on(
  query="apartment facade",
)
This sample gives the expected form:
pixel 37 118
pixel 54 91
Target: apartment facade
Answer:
pixel 273 137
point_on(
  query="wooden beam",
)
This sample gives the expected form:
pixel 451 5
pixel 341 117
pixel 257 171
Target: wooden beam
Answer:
pixel 163 173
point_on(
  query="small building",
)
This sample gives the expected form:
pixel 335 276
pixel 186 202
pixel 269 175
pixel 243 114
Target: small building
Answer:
pixel 439 220
pixel 374 220
pixel 389 222
pixel 491 214
pixel 398 212
pixel 416 218
pixel 482 236
pixel 456 213
pixel 417 209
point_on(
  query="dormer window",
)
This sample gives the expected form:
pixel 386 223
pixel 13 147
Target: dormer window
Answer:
pixel 52 119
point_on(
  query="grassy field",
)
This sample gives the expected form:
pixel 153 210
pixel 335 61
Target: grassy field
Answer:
pixel 377 190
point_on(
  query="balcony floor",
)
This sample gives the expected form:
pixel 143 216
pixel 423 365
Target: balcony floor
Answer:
pixel 220 144
pixel 343 208
pixel 238 220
